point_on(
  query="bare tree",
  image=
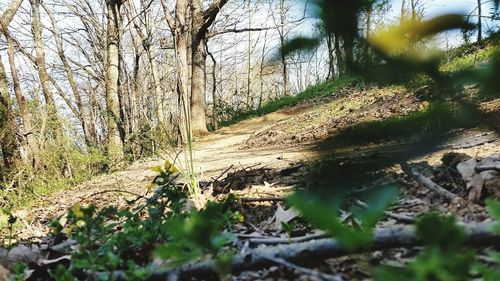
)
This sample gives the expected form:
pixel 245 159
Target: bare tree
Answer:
pixel 43 75
pixel 81 110
pixel 479 22
pixel 8 128
pixel 116 132
pixel 190 34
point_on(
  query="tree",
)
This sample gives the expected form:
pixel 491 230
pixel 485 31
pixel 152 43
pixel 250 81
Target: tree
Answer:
pixel 116 132
pixel 190 35
pixel 43 75
pixel 8 128
pixel 81 111
pixel 479 22
pixel 28 137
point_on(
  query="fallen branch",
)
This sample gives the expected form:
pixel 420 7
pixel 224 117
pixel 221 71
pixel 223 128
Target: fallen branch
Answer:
pixel 277 240
pixel 61 246
pixel 310 272
pixel 261 199
pixel 477 235
pixel 493 167
pixel 428 183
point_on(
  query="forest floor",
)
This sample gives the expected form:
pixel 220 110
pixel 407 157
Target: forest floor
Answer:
pixel 265 158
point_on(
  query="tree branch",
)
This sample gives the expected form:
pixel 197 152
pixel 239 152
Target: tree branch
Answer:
pixel 477 235
pixel 235 30
pixel 168 16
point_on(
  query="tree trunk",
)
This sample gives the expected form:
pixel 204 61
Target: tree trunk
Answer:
pixel 341 68
pixel 113 118
pixel 479 22
pixel 146 44
pixel 29 140
pixel 249 60
pixel 366 49
pixel 286 91
pixel 331 55
pixel 8 128
pixel 198 71
pixel 214 89
pixel 403 11
pixel 43 75
pixel 83 114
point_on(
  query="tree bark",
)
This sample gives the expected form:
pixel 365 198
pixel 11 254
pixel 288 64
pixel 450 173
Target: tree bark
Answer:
pixel 341 67
pixel 198 75
pixel 113 116
pixel 476 236
pixel 191 90
pixel 214 90
pixel 479 22
pixel 36 28
pixel 284 64
pixel 29 140
pixel 8 128
pixel 150 53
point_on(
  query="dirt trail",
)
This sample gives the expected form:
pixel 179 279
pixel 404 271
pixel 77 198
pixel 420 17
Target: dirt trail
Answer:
pixel 214 154
pixel 219 151
pixel 274 146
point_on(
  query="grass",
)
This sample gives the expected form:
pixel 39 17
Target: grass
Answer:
pixel 32 184
pixel 317 91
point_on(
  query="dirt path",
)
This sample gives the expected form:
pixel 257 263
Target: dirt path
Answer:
pixel 214 154
pixel 274 145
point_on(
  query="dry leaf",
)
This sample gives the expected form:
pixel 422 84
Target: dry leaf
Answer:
pixel 283 216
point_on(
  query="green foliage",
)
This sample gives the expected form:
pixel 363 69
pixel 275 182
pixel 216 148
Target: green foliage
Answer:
pixel 196 234
pixel 18 272
pixel 442 259
pixel 324 214
pixel 126 239
pixel 494 209
pixel 316 92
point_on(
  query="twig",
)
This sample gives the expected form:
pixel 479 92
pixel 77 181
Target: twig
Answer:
pixel 477 235
pixel 428 183
pixel 61 246
pixel 118 191
pixel 263 199
pixel 291 240
pixel 227 170
pixel 305 270
pixel 390 214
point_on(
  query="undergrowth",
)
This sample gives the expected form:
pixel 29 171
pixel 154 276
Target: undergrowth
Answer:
pixel 162 233
pixel 61 167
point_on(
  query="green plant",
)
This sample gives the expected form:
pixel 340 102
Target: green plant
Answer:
pixel 323 211
pixel 442 259
pixel 124 240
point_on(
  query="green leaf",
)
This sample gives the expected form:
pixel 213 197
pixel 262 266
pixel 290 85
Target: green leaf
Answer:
pixel 326 217
pixel 494 209
pixel 439 231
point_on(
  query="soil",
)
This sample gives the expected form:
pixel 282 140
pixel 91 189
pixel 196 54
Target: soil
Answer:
pixel 269 156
